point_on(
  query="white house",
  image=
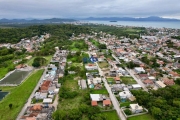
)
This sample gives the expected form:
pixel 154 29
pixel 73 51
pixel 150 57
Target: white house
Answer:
pixel 39 95
pixel 135 108
pixel 125 94
pixel 136 86
pixel 139 70
pixel 160 84
pixel 91 67
pixel 96 97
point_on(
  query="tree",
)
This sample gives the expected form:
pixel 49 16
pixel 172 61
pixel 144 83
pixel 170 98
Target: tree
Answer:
pixel 128 112
pixel 10 105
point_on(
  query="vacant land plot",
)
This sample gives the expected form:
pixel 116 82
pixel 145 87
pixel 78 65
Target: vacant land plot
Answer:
pixel 18 97
pixel 94 42
pixel 110 80
pixel 110 115
pixel 124 104
pixel 128 80
pixel 15 78
pixel 100 91
pixel 48 58
pixel 103 64
pixel 142 117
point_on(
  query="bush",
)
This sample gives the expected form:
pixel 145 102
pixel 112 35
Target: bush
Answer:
pixel 128 112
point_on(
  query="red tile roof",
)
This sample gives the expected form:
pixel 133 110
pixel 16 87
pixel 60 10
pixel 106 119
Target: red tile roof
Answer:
pixel 45 85
pixel 106 102
pixel 36 108
pixel 169 82
pixel 94 103
pixel 117 78
pixel 148 81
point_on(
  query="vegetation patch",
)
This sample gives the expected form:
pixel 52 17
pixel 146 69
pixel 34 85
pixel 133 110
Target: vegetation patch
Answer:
pixel 142 117
pixel 18 97
pixel 128 80
pixel 103 64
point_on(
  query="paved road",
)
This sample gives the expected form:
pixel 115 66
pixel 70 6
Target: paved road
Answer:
pixel 132 74
pixel 31 96
pixel 137 80
pixel 111 95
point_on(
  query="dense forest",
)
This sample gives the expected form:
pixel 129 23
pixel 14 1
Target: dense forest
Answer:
pixel 61 32
pixel 163 104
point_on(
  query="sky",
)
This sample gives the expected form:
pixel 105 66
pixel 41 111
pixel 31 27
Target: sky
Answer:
pixel 88 8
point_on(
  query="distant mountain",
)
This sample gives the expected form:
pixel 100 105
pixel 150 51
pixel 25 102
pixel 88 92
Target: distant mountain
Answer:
pixel 53 20
pixel 152 18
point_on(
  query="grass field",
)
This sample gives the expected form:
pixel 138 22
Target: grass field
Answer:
pixel 128 80
pixel 103 64
pixel 142 117
pixel 94 42
pixel 18 97
pixel 48 58
pixel 111 115
pixel 101 91
pixel 124 104
pixel 110 80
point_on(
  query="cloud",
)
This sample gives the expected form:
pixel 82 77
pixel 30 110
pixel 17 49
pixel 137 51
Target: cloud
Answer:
pixel 86 8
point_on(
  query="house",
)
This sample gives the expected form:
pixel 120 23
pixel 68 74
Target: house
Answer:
pixel 136 86
pixel 39 95
pixel 148 82
pixel 143 76
pixel 125 94
pixel 106 102
pixel 44 87
pixel 168 82
pixel 117 80
pixel 160 84
pixel 47 101
pixel 36 108
pixel 139 70
pixel 83 84
pixel 91 67
pixel 97 97
pixel 135 108
pixel 94 103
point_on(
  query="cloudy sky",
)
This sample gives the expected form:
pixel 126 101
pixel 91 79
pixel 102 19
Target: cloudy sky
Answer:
pixel 88 8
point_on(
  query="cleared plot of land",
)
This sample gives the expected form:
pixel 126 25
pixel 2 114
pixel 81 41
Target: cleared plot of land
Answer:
pixel 128 80
pixel 103 64
pixel 48 58
pixel 111 115
pixel 124 104
pixel 15 78
pixel 18 97
pixel 100 91
pixel 94 42
pixel 110 80
pixel 142 117
pixel 78 46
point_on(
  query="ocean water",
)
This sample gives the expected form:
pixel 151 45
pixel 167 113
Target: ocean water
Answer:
pixel 153 24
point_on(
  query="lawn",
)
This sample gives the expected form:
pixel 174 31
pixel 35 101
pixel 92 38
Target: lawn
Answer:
pixel 142 117
pixel 128 80
pixel 124 104
pixel 103 64
pixel 110 80
pixel 94 42
pixel 110 115
pixel 100 91
pixel 48 58
pixel 18 96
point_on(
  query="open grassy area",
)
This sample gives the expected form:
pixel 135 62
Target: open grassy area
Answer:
pixel 110 80
pixel 48 58
pixel 103 64
pixel 124 104
pixel 78 45
pixel 110 115
pixel 94 42
pixel 18 97
pixel 7 88
pixel 100 91
pixel 142 117
pixel 128 80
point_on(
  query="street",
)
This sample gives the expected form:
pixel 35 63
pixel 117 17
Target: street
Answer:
pixel 111 95
pixel 28 103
